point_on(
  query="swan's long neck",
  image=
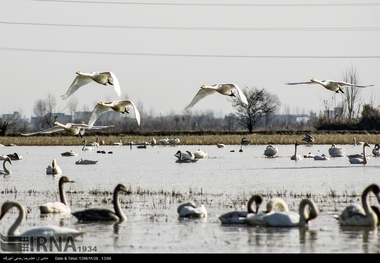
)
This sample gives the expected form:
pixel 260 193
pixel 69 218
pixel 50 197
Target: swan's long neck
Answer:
pixel 116 203
pixel 365 200
pixel 364 155
pixel 255 199
pixel 277 202
pixel 6 170
pixel 314 211
pixel 62 194
pixel 13 230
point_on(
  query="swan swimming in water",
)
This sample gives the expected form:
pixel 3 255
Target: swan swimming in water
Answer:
pixel 293 219
pixel 87 148
pixel 322 157
pixel 360 159
pixel 185 157
pixel 376 150
pixel 82 78
pixel 364 215
pixel 102 214
pixel 296 156
pixel 238 217
pixel 58 207
pixel 200 154
pixel 270 151
pixel 257 219
pixel 47 231
pixel 53 168
pixel 222 88
pixel 192 210
pixel 121 106
pixel 335 86
pixel 335 151
pixel 5 170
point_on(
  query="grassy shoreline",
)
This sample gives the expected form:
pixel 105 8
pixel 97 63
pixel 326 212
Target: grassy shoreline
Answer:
pixel 206 139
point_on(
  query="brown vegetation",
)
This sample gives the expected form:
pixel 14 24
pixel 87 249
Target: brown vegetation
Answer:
pixel 199 138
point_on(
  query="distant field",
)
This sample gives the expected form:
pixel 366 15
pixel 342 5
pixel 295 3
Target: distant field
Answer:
pixel 196 139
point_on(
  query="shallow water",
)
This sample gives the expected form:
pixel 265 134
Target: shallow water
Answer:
pixel 222 182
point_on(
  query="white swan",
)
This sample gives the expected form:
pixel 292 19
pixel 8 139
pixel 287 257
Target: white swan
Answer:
pixel 257 219
pixel 322 157
pixel 296 156
pixel 69 153
pixel 364 215
pixel 53 168
pixel 245 141
pixel 58 207
pixel 360 159
pixel 293 219
pixel 174 141
pixel 47 231
pixel 185 157
pixel 357 143
pixel 82 78
pixel 192 210
pixel 153 141
pixel 5 170
pixel 270 151
pixel 86 161
pixel 200 154
pixel 335 151
pixel 164 141
pixel 120 142
pixel 238 217
pixel 222 88
pixel 220 145
pixel 93 144
pixel 102 214
pixel 121 106
pixel 335 86
pixel 87 148
pixel 76 129
pixel 376 150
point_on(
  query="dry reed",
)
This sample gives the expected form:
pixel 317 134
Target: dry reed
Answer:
pixel 255 139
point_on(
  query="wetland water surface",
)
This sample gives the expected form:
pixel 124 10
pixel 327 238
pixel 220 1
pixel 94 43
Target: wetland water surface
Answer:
pixel 223 182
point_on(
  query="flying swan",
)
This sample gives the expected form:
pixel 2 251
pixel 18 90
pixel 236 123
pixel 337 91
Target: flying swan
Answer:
pixel 58 207
pixel 82 78
pixel 191 210
pixel 332 85
pixel 5 170
pixel 364 215
pixel 102 214
pixel 222 88
pixel 47 231
pixel 76 129
pixel 238 217
pixel 53 168
pixel 121 106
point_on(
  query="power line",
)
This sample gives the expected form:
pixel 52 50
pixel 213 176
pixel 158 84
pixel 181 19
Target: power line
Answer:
pixel 185 55
pixel 214 4
pixel 201 28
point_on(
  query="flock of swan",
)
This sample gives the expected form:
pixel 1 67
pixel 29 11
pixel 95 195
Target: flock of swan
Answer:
pixel 62 207
pixel 276 214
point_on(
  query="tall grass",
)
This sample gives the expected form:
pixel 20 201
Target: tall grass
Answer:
pixel 255 139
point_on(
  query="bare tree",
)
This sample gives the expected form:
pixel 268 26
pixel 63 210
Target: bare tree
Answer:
pixel 8 121
pixel 352 99
pixel 260 104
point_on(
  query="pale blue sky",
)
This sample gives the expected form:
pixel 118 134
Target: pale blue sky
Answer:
pixel 163 52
